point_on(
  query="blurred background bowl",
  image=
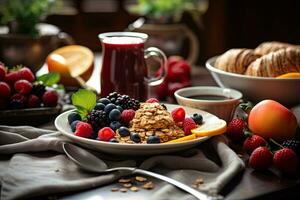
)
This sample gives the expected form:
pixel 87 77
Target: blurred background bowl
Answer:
pixel 255 89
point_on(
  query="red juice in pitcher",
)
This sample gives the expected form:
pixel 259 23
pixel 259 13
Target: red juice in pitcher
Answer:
pixel 123 68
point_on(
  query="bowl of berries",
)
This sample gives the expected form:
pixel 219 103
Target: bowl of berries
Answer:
pixel 24 98
pixel 119 124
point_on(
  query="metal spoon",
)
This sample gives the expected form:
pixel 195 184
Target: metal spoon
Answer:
pixel 90 162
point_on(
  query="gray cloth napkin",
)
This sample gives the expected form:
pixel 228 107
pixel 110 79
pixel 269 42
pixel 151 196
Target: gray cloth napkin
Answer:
pixel 32 163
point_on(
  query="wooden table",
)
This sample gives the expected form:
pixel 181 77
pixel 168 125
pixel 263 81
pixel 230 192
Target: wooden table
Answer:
pixel 249 184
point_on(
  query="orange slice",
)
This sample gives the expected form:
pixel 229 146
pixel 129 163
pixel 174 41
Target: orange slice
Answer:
pixel 71 61
pixel 210 128
pixel 290 75
pixel 185 138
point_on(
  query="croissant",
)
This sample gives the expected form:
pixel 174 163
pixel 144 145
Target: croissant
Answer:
pixel 236 60
pixel 276 63
pixel 267 47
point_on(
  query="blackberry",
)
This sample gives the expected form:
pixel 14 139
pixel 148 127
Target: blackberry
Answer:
pixel 294 145
pixel 124 101
pixel 38 89
pixel 98 119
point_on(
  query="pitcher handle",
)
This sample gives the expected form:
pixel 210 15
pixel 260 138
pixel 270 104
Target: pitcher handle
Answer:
pixel 153 51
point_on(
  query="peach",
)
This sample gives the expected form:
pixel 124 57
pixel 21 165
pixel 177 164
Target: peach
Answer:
pixel 270 119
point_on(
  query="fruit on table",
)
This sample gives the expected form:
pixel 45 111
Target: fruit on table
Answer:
pixel 178 76
pixel 253 142
pixel 294 145
pixel 270 119
pixel 261 158
pixel 19 89
pixel 285 160
pixel 188 125
pixel 72 60
pixel 235 129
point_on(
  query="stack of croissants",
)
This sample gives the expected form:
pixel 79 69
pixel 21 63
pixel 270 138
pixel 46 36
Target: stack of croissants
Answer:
pixel 269 59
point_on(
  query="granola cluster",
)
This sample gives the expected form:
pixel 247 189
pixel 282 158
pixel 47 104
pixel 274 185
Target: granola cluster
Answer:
pixel 152 119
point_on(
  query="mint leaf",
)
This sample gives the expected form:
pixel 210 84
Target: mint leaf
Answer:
pixel 84 101
pixel 49 79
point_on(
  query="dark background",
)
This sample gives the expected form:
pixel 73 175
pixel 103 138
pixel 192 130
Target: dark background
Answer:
pixel 227 23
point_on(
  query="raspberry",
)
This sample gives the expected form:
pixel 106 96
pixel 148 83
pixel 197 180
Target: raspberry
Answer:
pixel 50 98
pixel 127 115
pixel 23 86
pixel 235 129
pixel 12 77
pixel 2 71
pixel 83 129
pixel 253 142
pixel 106 134
pixel 286 160
pixel 33 101
pixel 17 101
pixel 4 90
pixel 188 125
pixel 26 73
pixel 178 114
pixel 152 100
pixel 261 158
pixel 38 89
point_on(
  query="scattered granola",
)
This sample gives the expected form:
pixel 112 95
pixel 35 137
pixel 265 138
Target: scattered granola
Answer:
pixel 114 189
pixel 198 182
pixel 149 185
pixel 124 180
pixel 127 185
pixel 140 179
pixel 134 189
pixel 123 190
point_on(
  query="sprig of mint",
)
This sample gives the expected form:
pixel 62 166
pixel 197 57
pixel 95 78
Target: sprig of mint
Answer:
pixel 84 101
pixel 49 79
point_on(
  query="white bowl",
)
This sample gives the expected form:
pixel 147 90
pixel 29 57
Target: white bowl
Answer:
pixel 223 109
pixel 61 123
pixel 255 89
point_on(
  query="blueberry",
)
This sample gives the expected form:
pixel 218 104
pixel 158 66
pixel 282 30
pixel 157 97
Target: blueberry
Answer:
pixel 73 125
pixel 114 115
pixel 105 101
pixel 114 140
pixel 153 139
pixel 109 107
pixel 120 108
pixel 198 119
pixel 135 137
pixel 99 106
pixel 123 131
pixel 73 116
pixel 114 125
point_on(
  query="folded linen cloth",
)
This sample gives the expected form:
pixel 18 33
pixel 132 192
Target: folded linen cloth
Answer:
pixel 32 164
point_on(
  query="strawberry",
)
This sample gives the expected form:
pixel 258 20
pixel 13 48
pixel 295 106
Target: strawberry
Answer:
pixel 152 100
pixel 84 129
pixel 106 134
pixel 50 98
pixel 235 129
pixel 23 86
pixel 11 77
pixel 261 158
pixel 127 115
pixel 4 90
pixel 188 125
pixel 26 73
pixel 178 114
pixel 3 71
pixel 253 142
pixel 33 101
pixel 285 160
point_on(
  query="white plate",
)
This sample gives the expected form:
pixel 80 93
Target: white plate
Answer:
pixel 62 125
